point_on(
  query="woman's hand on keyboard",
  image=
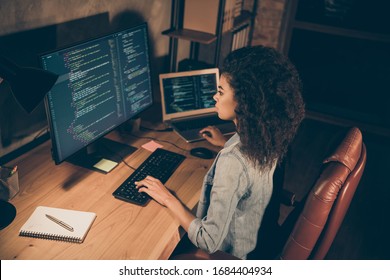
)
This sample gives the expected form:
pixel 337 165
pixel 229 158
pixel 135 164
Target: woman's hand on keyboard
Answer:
pixel 155 189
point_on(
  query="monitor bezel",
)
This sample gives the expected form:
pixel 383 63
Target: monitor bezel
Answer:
pixel 169 116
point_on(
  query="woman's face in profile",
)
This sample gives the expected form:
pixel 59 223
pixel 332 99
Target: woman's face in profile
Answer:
pixel 225 102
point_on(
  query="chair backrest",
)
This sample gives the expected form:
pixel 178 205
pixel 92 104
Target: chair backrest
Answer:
pixel 328 200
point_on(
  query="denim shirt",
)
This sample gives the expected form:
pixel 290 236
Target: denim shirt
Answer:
pixel 232 203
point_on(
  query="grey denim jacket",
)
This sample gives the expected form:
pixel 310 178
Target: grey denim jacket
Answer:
pixel 232 203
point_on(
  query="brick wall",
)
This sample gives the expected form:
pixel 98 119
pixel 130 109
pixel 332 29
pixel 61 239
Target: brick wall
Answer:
pixel 268 22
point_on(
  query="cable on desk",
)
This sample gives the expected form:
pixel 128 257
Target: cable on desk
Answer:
pixel 122 159
pixel 128 165
pixel 155 139
pixel 41 132
pixel 145 137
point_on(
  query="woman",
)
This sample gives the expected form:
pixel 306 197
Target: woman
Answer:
pixel 260 92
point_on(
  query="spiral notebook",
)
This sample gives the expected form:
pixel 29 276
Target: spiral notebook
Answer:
pixel 58 224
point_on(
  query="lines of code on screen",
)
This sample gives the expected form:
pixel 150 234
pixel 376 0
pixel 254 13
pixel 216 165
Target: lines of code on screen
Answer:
pixel 102 83
pixel 188 93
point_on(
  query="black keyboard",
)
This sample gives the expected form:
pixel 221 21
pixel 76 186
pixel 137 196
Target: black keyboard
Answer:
pixel 160 164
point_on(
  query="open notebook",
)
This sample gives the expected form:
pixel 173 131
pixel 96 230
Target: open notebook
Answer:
pixel 68 225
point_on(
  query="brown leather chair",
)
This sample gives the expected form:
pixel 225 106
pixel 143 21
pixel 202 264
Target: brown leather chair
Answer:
pixel 328 200
pixel 318 220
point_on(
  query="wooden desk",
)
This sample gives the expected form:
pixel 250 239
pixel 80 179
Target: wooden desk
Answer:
pixel 121 230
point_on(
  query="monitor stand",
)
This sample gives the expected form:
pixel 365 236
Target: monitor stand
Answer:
pixel 102 156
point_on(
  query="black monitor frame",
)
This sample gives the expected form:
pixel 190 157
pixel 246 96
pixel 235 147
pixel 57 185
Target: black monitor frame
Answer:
pixel 96 150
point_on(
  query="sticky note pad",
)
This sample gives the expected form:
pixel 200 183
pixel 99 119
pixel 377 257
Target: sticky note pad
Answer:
pixel 151 146
pixel 105 165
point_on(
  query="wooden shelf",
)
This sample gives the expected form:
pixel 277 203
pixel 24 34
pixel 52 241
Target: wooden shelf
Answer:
pixel 191 35
pixel 206 45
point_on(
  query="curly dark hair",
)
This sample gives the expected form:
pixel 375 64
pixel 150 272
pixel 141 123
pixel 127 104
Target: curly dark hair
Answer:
pixel 270 107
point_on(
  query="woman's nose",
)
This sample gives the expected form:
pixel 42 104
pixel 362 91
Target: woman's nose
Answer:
pixel 215 97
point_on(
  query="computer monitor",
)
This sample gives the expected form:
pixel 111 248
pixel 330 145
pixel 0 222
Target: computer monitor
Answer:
pixel 102 83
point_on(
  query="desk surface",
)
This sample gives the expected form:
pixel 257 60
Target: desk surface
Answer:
pixel 121 230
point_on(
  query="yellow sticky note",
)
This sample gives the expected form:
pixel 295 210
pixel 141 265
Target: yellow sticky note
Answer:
pixel 105 165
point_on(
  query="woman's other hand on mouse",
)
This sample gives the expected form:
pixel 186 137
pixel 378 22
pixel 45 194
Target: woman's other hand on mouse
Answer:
pixel 213 135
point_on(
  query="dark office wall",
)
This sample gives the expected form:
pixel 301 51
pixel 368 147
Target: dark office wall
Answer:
pixel 19 15
pixel 30 27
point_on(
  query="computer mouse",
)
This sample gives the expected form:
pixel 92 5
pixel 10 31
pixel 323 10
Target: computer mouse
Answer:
pixel 201 152
pixel 208 133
